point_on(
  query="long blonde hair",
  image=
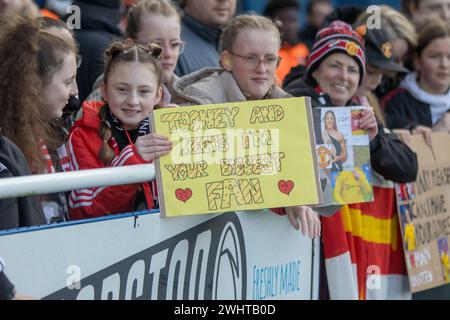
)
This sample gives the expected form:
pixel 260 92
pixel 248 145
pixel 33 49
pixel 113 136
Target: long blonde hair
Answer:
pixel 395 24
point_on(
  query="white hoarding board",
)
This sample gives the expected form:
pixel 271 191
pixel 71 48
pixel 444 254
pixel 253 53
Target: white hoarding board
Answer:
pixel 251 255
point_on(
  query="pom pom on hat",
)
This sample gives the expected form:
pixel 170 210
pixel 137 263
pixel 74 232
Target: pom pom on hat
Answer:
pixel 338 37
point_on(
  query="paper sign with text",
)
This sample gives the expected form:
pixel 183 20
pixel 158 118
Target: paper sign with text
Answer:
pixel 424 214
pixel 343 155
pixel 236 156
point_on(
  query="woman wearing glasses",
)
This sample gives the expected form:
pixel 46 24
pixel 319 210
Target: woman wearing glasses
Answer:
pixel 158 22
pixel 249 59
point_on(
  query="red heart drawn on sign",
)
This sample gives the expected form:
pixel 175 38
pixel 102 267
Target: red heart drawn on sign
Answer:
pixel 183 195
pixel 285 186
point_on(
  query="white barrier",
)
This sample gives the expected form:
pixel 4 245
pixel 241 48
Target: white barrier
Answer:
pixel 251 255
pixel 68 181
pixel 247 255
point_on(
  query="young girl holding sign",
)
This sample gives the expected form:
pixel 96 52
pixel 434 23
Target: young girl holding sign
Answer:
pixel 249 59
pixel 117 132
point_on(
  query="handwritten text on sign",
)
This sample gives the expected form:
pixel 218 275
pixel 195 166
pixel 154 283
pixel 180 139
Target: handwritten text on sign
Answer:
pixel 424 215
pixel 236 156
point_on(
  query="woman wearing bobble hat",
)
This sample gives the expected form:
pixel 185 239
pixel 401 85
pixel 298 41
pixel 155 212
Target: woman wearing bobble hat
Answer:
pixel 335 69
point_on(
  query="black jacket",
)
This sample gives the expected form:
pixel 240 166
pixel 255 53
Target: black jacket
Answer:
pixel 390 157
pixel 7 291
pixel 307 36
pixel 298 72
pixel 17 212
pixel 404 111
pixel 99 28
pixel 202 47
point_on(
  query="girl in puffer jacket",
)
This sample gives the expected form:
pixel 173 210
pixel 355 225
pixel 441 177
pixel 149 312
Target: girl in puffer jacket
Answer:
pixel 117 132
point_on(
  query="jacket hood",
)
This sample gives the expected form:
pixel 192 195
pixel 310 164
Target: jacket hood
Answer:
pixel 214 85
pixel 89 115
pixel 96 18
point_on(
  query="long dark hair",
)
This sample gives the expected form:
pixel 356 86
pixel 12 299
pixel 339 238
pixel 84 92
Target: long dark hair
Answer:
pixel 334 119
pixel 29 57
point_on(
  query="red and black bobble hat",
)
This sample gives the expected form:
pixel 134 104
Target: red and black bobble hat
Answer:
pixel 338 37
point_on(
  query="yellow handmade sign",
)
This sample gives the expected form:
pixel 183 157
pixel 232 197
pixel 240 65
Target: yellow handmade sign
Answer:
pixel 236 156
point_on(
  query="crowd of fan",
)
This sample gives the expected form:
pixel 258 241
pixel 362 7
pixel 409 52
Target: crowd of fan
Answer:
pixel 81 99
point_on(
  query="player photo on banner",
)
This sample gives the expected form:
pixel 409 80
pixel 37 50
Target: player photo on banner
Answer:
pixel 343 155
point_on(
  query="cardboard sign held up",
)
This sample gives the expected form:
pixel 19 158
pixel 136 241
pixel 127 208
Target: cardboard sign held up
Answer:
pixel 236 156
pixel 424 214
pixel 343 155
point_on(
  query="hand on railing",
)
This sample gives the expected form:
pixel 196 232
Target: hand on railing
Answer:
pixel 309 220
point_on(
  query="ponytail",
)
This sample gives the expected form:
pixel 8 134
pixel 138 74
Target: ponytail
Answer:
pixel 106 153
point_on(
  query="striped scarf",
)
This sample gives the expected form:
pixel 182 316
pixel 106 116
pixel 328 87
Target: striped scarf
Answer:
pixel 121 138
pixel 118 131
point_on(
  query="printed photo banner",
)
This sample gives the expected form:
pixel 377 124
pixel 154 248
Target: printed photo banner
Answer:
pixel 424 214
pixel 343 156
pixel 236 156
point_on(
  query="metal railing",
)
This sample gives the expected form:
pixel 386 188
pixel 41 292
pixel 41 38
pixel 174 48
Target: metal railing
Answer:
pixel 68 181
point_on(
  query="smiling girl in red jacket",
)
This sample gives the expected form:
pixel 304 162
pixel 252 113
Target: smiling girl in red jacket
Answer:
pixel 117 132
